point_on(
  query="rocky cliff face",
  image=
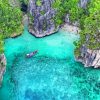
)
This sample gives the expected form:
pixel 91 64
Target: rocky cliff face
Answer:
pixel 90 58
pixel 83 3
pixel 42 17
pixel 41 22
pixel 2 67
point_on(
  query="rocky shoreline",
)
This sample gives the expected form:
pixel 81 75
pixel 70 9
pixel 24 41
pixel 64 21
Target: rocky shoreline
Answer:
pixel 2 67
pixel 90 58
pixel 66 27
pixel 42 35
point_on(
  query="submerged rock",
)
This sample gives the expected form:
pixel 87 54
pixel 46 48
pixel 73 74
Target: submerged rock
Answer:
pixel 2 67
pixel 31 95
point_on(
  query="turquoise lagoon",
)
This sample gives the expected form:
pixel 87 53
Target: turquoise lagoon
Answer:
pixel 52 74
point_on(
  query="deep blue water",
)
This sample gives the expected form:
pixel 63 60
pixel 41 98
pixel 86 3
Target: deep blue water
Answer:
pixel 52 74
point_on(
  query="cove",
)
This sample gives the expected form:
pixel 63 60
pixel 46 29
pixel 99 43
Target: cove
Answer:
pixel 52 74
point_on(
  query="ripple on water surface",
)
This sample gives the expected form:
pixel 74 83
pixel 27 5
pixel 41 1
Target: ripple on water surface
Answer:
pixel 50 75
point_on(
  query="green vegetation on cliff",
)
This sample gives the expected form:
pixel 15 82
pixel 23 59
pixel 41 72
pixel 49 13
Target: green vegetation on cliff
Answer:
pixel 38 3
pixel 90 26
pixel 64 7
pixel 88 18
pixel 10 21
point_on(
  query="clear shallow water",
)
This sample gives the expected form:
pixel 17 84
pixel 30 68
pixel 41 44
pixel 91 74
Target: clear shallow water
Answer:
pixel 50 75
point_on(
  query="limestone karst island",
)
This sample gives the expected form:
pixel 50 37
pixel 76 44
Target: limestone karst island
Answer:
pixel 49 49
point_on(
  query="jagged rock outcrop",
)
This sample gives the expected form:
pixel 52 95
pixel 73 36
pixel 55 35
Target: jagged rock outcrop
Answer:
pixel 2 67
pixel 42 15
pixel 90 58
pixel 83 3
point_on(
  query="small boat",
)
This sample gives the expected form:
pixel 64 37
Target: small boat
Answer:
pixel 31 54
